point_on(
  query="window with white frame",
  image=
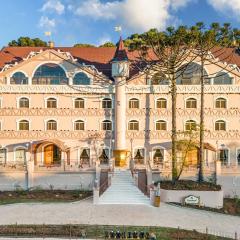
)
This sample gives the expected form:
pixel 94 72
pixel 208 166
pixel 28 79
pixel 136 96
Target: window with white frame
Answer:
pixel 158 156
pixel 23 125
pixel 51 103
pixel 161 103
pixel 107 103
pixel 23 102
pixel 20 155
pixel 106 125
pixel 238 157
pixel 223 156
pixel 51 125
pixel 220 125
pixel 79 103
pixel 19 78
pixel 139 154
pixel 133 103
pixel 191 103
pixel 104 156
pixel 133 125
pixel 79 125
pixel 161 125
pixel 190 125
pixel 3 156
pixel 222 78
pixel 221 103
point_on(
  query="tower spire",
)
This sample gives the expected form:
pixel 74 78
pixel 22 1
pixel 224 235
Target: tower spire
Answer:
pixel 121 53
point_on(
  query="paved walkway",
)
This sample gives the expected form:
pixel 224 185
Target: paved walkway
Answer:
pixel 85 212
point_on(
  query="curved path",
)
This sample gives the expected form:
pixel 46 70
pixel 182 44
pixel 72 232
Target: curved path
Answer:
pixel 85 212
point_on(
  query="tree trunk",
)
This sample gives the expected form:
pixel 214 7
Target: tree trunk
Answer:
pixel 174 130
pixel 201 147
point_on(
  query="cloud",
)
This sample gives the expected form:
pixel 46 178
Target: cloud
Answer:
pixel 103 40
pixel 53 6
pixel 230 7
pixel 137 15
pixel 47 23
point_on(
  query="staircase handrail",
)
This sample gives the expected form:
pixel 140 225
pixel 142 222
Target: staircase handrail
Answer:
pixel 103 187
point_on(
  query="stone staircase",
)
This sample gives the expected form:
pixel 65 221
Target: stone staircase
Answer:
pixel 123 190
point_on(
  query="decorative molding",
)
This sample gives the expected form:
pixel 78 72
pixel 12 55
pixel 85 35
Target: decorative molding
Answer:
pixel 140 89
pixel 81 135
pixel 75 112
pixel 54 89
pixel 32 54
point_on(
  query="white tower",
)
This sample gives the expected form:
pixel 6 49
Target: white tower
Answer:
pixel 120 72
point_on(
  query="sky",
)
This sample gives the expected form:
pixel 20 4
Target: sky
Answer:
pixel 93 21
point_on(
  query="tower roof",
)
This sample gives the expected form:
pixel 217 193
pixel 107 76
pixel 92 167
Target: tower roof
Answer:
pixel 121 53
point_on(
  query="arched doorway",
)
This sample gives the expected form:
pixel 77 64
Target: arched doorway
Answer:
pixel 52 155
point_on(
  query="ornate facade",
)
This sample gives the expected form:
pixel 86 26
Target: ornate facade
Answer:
pixel 68 108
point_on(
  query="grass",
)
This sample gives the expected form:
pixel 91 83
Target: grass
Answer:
pixel 46 196
pixel 231 206
pixel 99 232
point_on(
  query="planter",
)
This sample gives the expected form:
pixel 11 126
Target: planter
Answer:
pixel 212 199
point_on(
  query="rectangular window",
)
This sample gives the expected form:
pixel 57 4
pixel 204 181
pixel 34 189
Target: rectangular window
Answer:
pixel 79 103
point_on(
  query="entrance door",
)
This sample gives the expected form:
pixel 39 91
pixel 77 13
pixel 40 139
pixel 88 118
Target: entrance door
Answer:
pixel 48 155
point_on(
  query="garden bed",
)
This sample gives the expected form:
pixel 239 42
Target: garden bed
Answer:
pixel 101 232
pixel 231 206
pixel 20 196
pixel 189 185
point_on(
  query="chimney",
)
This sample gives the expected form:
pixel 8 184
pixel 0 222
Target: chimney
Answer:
pixel 51 44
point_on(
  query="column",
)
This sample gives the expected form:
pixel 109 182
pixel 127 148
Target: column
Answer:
pixel 120 151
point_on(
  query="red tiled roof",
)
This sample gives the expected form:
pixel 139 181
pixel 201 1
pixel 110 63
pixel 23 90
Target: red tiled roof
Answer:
pixel 100 57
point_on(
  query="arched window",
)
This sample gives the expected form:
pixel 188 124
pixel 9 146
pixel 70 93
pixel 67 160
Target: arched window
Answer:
pixel 81 79
pixel 49 74
pixel 51 125
pixel 191 75
pixel 159 79
pixel 161 125
pixel 190 125
pixel 139 155
pixel 221 103
pixel 191 103
pixel 238 157
pixel 158 156
pixel 23 102
pixel 20 155
pixel 223 156
pixel 23 125
pixel 18 78
pixel 107 103
pixel 79 125
pixel 106 125
pixel 85 157
pixel 51 103
pixel 3 156
pixel 104 156
pixel 133 125
pixel 222 78
pixel 79 103
pixel 220 125
pixel 161 103
pixel 133 103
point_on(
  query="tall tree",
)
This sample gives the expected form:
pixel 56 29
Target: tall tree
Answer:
pixel 27 42
pixel 165 53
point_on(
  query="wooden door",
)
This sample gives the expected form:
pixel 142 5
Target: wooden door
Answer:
pixel 48 155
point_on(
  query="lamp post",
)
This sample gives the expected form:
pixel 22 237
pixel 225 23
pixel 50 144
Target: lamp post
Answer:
pixel 26 168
